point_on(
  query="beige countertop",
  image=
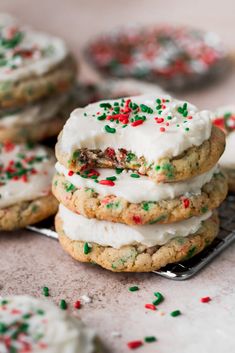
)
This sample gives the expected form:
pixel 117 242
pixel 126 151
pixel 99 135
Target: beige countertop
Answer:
pixel 29 261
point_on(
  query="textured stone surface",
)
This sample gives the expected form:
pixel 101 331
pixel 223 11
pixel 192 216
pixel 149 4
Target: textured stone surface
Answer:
pixel 28 262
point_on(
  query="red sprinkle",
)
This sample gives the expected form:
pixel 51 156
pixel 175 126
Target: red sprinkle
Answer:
pixel 9 146
pixel 162 129
pixel 134 344
pixel 137 123
pixel 107 182
pixel 205 300
pixel 93 172
pixel 77 304
pixel 110 152
pixel 150 306
pixel 159 120
pixel 186 203
pixel 70 173
pixel 137 219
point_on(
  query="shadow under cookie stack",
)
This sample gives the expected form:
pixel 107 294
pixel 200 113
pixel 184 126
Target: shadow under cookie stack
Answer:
pixel 138 182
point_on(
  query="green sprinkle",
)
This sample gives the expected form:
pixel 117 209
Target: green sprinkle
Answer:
pixel 105 105
pixel 135 175
pixel 3 327
pixel 169 117
pixel 119 170
pixel 63 304
pixel 40 312
pixel 145 206
pixel 101 117
pixel 187 129
pixel 204 209
pixel 159 299
pixel 86 248
pixel 70 187
pixel 45 291
pixel 150 339
pixel 158 100
pixel 133 289
pixel 158 167
pixel 158 219
pixel 130 156
pixel 26 316
pixel 109 129
pixel 175 313
pixel 112 178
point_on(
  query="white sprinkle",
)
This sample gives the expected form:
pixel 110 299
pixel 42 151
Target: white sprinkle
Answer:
pixel 86 299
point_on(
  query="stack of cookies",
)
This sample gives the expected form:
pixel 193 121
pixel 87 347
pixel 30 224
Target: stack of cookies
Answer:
pixel 138 182
pixel 225 120
pixel 37 74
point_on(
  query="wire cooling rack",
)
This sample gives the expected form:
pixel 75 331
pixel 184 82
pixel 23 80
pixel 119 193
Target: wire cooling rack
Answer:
pixel 181 270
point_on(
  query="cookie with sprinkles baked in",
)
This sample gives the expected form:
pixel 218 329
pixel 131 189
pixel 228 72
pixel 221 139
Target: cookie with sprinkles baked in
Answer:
pixel 174 57
pixel 225 119
pixel 122 248
pixel 25 185
pixel 36 121
pixel 159 136
pixel 127 197
pixel 33 64
pixel 34 325
pixel 90 92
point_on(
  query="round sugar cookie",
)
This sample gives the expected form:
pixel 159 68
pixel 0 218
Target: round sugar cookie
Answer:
pixel 33 64
pixel 25 185
pixel 28 324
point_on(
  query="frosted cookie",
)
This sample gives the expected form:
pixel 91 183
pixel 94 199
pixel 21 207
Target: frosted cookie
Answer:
pixel 126 197
pixel 225 119
pixel 174 57
pixel 25 185
pixel 36 121
pixel 167 139
pixel 119 247
pixel 113 88
pixel 32 64
pixel 33 325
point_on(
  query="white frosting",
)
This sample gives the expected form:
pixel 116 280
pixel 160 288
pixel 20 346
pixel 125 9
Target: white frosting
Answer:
pixel 227 160
pixel 104 233
pixel 140 189
pixel 144 140
pixel 49 52
pixel 38 112
pixel 50 329
pixel 37 184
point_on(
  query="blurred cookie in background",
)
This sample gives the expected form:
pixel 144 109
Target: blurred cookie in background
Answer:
pixel 225 120
pixel 25 185
pixel 175 57
pixel 34 325
pixel 90 92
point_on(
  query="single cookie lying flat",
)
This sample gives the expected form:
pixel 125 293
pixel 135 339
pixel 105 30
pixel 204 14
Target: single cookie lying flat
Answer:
pixel 32 64
pixel 33 325
pixel 25 185
pixel 225 120
pixel 174 57
pixel 121 248
pixel 167 139
pixel 126 197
